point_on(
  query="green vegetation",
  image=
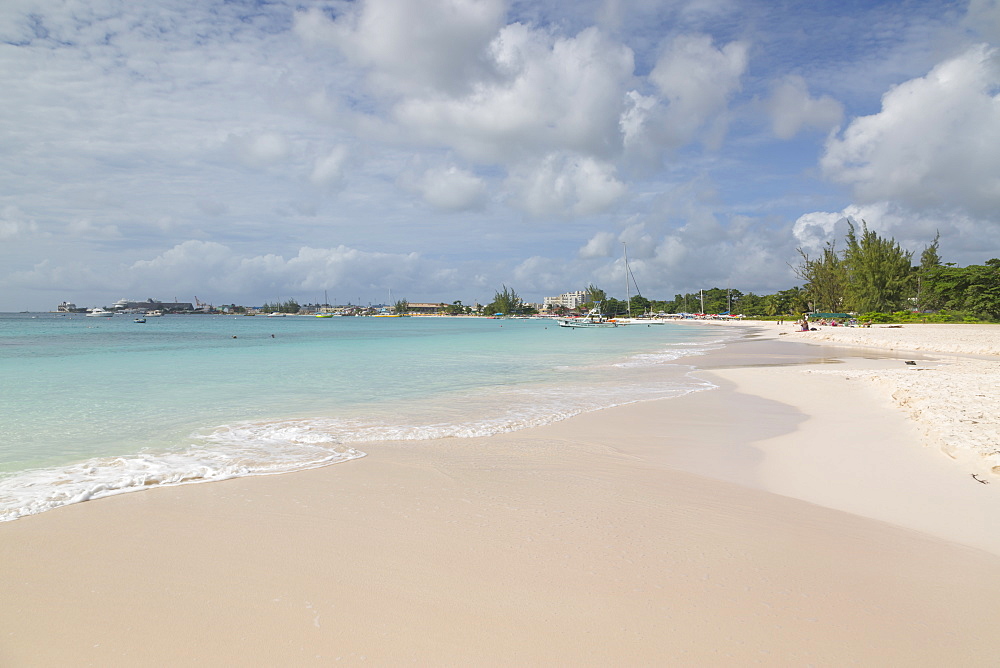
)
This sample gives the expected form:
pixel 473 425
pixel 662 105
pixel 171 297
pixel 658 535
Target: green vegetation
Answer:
pixel 401 307
pixel 289 306
pixel 506 302
pixel 716 300
pixel 878 272
pixel 612 307
pixel 826 277
pixel 973 291
pixel 595 296
pixel 455 308
pixel 875 278
pixel 929 260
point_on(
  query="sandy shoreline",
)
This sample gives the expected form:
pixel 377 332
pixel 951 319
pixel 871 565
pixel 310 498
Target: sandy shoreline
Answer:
pixel 726 527
pixel 953 399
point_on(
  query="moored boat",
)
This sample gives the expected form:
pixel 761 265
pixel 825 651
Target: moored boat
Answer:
pixel 592 319
pixel 99 313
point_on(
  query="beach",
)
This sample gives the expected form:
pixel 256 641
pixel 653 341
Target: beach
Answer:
pixel 823 505
pixel 952 399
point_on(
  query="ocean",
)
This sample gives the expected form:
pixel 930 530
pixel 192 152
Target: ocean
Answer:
pixel 91 407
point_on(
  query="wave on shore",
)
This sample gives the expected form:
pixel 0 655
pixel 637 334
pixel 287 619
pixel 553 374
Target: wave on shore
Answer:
pixel 283 446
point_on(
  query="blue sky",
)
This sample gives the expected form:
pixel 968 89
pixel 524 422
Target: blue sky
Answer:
pixel 256 151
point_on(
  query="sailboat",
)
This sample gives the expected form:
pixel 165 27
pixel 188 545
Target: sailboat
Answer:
pixel 326 304
pixel 629 320
pixel 389 311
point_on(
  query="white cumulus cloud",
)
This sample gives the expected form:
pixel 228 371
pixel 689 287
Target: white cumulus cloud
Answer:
pixel 328 170
pixel 258 149
pixel 934 142
pixel 560 185
pixel 14 224
pixel 600 245
pixel 411 46
pixel 452 189
pixel 913 229
pixel 551 93
pixel 792 109
pixel 210 268
pixel 697 79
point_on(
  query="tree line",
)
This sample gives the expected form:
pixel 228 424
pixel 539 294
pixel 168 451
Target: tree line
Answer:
pixel 287 306
pixel 872 276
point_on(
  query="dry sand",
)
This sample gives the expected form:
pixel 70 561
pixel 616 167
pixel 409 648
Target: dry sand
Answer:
pixel 954 399
pixel 663 533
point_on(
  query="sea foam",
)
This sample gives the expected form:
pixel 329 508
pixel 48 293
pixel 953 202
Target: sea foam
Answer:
pixel 38 490
pixel 315 395
pixel 283 446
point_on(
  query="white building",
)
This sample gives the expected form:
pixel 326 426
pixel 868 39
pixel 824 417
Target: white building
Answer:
pixel 568 300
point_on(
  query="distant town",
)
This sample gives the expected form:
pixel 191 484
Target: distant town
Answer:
pixel 714 302
pixel 565 303
pixel 859 282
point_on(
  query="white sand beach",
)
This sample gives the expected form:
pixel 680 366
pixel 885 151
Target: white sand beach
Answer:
pixel 953 399
pixel 802 513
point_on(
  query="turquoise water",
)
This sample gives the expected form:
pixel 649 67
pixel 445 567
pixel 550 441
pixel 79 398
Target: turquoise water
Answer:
pixel 98 406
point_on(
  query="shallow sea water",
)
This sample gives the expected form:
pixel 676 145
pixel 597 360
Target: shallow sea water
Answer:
pixel 96 406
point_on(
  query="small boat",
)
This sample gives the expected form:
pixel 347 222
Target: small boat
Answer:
pixel 139 320
pixel 154 314
pixel 99 313
pixel 592 319
pixel 276 314
pixel 324 315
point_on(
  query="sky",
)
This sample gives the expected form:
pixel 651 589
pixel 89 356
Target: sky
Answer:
pixel 439 150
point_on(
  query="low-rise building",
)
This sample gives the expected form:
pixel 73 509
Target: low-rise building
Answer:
pixel 425 308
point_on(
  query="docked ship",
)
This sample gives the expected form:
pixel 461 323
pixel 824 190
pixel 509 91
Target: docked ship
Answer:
pixel 151 305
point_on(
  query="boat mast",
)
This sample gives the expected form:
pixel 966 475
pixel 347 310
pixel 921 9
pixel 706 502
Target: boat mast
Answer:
pixel 628 296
